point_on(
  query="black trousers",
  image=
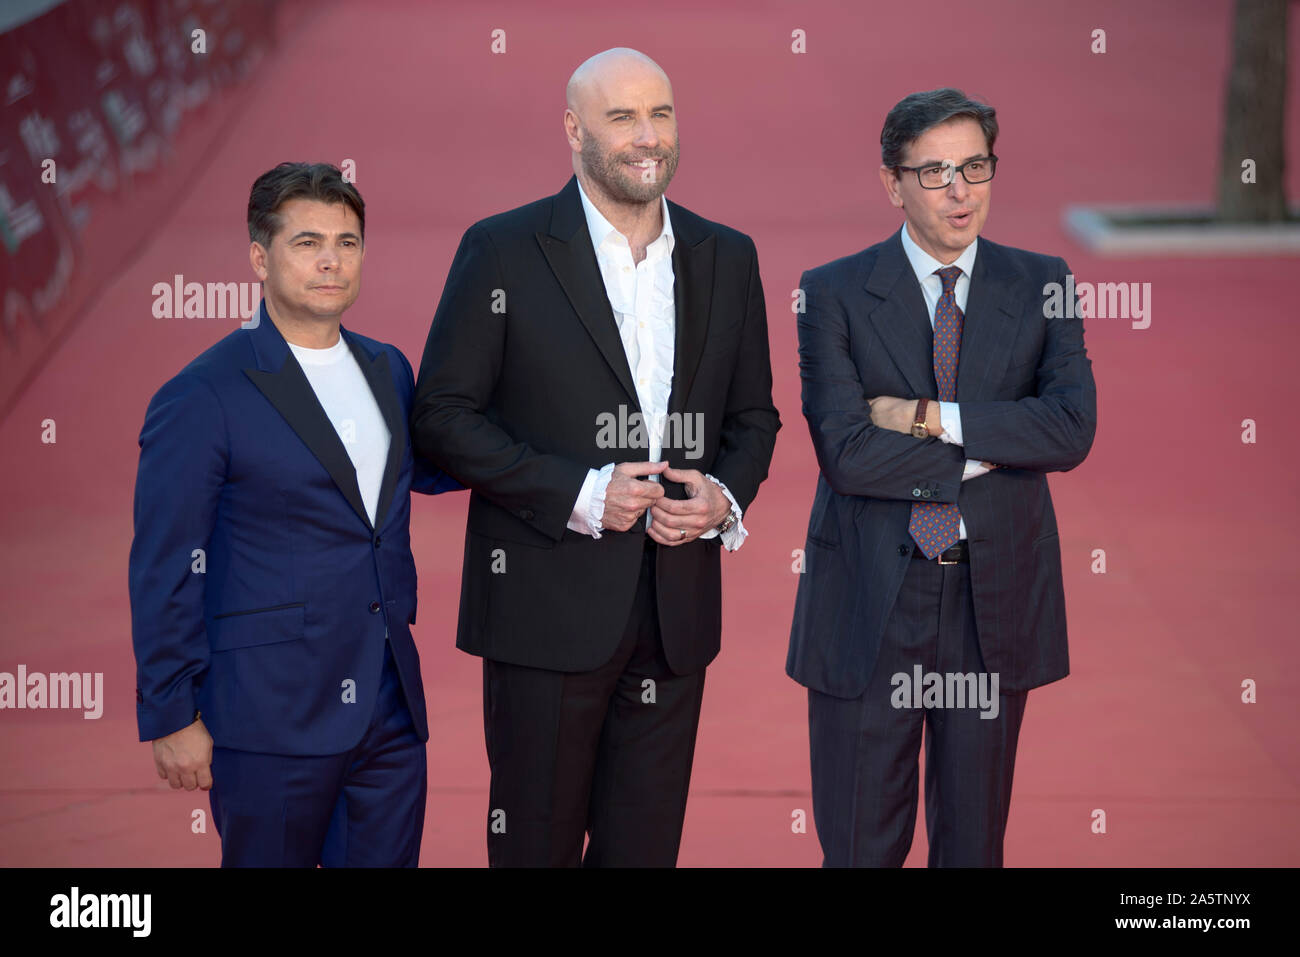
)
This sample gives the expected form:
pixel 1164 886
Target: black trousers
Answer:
pixel 864 750
pixel 605 753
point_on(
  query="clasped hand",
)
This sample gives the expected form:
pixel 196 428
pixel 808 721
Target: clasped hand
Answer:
pixel 630 494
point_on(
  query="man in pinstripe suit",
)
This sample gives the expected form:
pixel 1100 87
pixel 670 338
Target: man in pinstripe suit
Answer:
pixel 939 392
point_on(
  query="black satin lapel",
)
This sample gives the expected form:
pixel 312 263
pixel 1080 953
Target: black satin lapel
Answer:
pixel 989 326
pixel 291 394
pixel 692 299
pixel 574 264
pixel 379 375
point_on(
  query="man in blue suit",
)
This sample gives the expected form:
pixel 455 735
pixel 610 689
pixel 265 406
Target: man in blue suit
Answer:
pixel 939 392
pixel 271 576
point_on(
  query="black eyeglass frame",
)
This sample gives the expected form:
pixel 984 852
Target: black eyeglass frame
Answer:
pixel 991 159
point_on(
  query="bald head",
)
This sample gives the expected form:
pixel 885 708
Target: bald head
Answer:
pixel 610 71
pixel 622 126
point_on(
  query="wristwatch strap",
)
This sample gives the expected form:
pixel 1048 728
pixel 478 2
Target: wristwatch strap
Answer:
pixel 919 428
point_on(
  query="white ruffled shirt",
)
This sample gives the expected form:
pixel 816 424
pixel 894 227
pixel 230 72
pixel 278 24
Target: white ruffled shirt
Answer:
pixel 641 297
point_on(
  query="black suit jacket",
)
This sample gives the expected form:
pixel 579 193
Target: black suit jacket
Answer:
pixel 1028 403
pixel 522 359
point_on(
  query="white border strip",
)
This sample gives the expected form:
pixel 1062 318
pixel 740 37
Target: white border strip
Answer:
pixel 1097 228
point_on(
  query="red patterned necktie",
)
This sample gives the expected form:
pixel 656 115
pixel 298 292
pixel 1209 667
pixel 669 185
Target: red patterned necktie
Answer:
pixel 935 525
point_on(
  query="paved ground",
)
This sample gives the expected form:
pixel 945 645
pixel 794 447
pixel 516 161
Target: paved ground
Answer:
pixel 1199 529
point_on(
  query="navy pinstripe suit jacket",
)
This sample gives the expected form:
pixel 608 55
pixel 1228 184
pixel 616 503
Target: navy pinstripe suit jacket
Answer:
pixel 1028 403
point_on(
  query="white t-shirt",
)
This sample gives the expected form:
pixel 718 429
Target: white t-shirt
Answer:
pixel 345 395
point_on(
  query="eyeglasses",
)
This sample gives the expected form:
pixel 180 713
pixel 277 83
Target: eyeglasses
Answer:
pixel 974 171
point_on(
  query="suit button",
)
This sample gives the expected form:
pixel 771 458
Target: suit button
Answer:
pixel 374 607
pixel 925 493
pixel 916 493
pixel 378 541
pixel 526 514
pixel 903 549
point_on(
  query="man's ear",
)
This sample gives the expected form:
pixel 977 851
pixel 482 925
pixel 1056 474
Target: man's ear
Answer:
pixel 257 259
pixel 889 179
pixel 573 131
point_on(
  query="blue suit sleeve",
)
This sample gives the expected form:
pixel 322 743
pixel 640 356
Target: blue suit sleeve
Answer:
pixel 183 463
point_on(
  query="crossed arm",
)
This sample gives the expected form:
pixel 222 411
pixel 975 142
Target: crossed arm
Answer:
pixel 864 446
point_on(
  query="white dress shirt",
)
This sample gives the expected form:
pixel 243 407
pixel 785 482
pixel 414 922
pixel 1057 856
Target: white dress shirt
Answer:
pixel 641 297
pixel 925 265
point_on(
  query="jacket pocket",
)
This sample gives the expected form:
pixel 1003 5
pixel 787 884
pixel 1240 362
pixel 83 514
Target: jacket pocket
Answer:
pixel 257 626
pixel 493 522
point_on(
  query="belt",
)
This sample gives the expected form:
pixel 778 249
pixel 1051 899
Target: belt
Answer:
pixel 953 556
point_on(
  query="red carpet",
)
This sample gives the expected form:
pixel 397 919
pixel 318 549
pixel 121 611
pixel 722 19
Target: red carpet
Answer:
pixel 1199 530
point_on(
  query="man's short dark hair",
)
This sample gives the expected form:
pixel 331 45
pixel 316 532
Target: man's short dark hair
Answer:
pixel 918 112
pixel 274 188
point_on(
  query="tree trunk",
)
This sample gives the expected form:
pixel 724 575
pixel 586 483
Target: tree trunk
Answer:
pixel 1254 116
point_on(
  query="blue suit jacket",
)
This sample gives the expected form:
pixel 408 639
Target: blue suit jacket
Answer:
pixel 259 587
pixel 1028 403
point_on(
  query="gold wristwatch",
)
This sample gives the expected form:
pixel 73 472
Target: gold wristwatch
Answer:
pixel 919 428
